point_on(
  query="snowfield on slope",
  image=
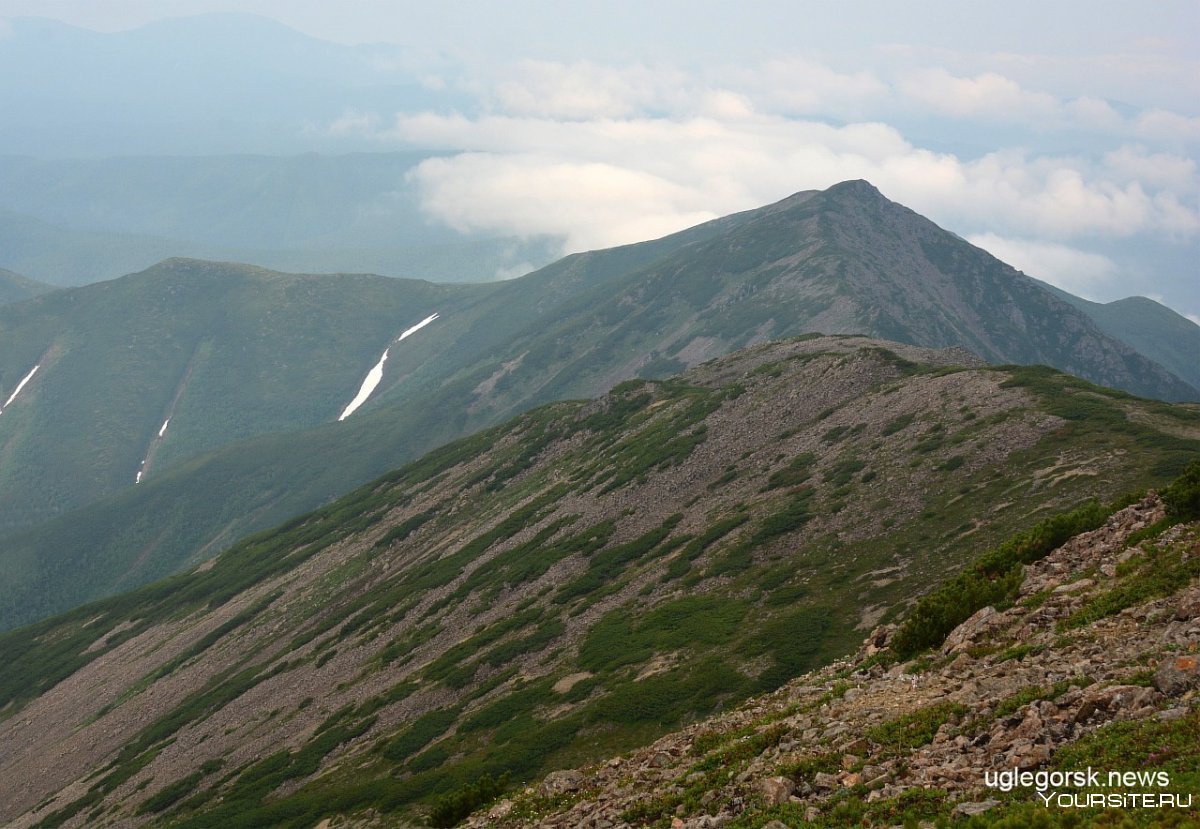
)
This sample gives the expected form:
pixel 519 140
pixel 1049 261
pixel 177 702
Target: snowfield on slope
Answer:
pixel 375 375
pixel 25 380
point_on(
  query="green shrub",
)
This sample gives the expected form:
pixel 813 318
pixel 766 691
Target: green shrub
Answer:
pixel 449 809
pixel 1182 497
pixel 993 580
pixel 798 470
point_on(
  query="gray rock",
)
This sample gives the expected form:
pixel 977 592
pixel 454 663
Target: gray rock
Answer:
pixel 776 790
pixel 825 781
pixel 976 808
pixel 1177 675
pixel 561 782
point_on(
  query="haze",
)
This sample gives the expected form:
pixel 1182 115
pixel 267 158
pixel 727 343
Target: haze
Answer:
pixel 1061 137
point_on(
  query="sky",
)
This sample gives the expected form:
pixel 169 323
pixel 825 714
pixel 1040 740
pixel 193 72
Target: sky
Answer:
pixel 1061 136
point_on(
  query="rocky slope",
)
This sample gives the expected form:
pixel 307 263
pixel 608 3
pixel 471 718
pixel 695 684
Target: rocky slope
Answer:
pixel 1094 665
pixel 557 589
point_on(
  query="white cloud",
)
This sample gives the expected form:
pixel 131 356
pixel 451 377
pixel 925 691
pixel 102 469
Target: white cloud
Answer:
pixel 1079 272
pixel 1165 171
pixel 587 90
pixel 610 181
pixel 798 86
pixel 1162 125
pixel 353 122
pixel 1194 318
pixel 587 203
pixel 990 96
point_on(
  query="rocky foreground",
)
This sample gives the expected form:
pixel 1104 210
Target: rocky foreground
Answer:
pixel 1106 630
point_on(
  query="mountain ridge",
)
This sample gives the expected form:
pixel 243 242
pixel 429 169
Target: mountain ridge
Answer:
pixel 15 288
pixel 570 330
pixel 436 623
pixel 1152 328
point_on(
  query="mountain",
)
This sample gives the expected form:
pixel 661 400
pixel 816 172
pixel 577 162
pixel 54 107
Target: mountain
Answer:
pixel 841 260
pixel 14 287
pixel 873 741
pixel 1171 340
pixel 139 374
pixel 205 84
pixel 562 587
pixel 82 220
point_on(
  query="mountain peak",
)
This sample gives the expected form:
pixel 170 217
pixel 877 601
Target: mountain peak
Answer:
pixel 855 188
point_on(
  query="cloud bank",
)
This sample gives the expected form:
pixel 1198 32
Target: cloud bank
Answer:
pixel 602 155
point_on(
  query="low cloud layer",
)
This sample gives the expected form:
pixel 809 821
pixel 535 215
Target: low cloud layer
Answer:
pixel 601 155
pixel 1088 275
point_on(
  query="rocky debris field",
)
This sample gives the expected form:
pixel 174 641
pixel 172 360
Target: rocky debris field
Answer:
pixel 1009 689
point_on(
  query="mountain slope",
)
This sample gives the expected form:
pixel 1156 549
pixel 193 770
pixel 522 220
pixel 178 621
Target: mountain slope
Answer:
pixel 14 287
pixel 841 260
pixel 1058 682
pixel 845 260
pixel 558 588
pixel 137 375
pixel 1171 340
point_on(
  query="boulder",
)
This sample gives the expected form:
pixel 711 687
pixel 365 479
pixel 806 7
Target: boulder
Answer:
pixel 776 790
pixel 562 782
pixel 825 782
pixel 1177 675
pixel 965 634
pixel 1104 703
pixel 501 809
pixel 972 809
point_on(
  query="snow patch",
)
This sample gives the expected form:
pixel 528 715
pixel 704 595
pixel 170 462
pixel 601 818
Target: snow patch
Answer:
pixel 418 326
pixel 27 378
pixel 368 385
pixel 375 375
pixel 163 430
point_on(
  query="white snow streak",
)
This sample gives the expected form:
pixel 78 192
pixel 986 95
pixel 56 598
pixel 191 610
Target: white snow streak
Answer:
pixel 368 385
pixel 418 326
pixel 163 430
pixel 375 375
pixel 29 376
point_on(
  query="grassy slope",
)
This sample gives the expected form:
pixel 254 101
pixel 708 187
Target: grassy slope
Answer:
pixel 189 510
pixel 795 490
pixel 228 352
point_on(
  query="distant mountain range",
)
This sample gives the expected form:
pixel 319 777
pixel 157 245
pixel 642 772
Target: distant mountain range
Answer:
pixel 205 84
pixel 76 221
pixel 250 369
pixel 1171 340
pixel 15 288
